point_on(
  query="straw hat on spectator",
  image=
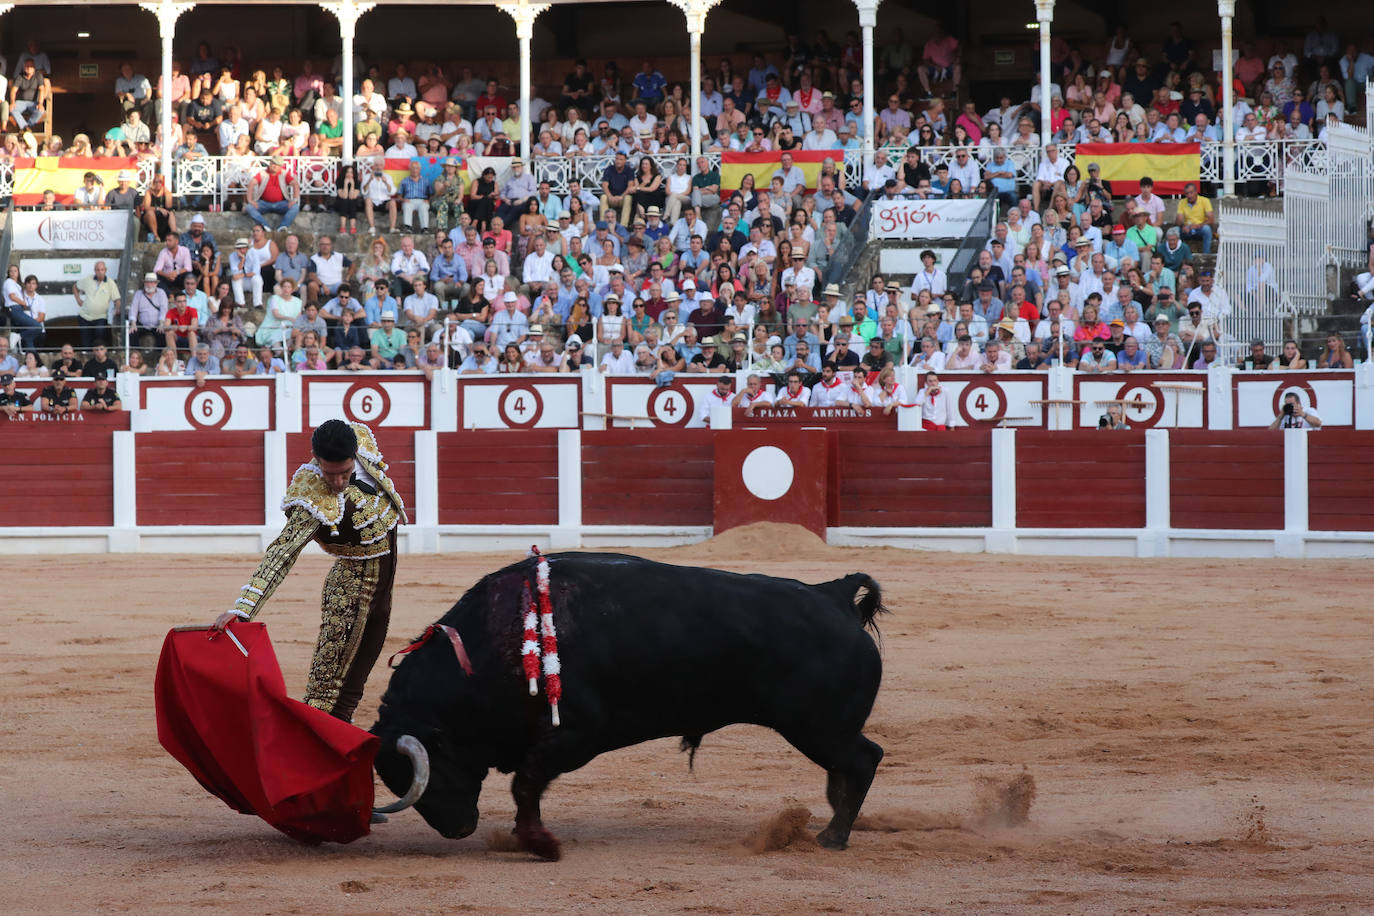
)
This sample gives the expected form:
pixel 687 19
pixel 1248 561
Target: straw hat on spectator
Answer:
pixel 1007 324
pixel 240 242
pixel 124 175
pixel 831 289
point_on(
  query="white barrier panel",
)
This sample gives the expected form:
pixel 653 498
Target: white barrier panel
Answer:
pixel 65 270
pixel 520 402
pixel 1006 400
pixel 672 406
pixel 1159 399
pixel 169 404
pixel 374 398
pixel 70 230
pixel 1259 396
pixel 906 218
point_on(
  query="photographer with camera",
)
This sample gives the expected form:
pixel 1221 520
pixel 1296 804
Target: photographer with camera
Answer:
pixel 1295 416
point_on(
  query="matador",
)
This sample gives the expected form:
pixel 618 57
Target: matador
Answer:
pixel 342 499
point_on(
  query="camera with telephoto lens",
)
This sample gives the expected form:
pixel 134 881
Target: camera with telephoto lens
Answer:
pixel 1288 409
pixel 1102 422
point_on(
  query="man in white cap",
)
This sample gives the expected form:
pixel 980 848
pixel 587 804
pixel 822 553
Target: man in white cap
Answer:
pixel 387 341
pixel 273 191
pixel 123 196
pixel 244 270
pixel 508 325
pixel 148 308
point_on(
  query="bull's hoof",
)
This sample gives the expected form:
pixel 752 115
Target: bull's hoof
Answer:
pixel 832 840
pixel 540 842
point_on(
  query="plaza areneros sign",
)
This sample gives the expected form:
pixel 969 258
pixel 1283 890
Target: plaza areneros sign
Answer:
pixel 911 218
pixel 70 230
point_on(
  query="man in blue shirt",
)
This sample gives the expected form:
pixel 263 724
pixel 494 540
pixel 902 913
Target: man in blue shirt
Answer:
pixel 448 272
pixel 758 75
pixel 380 301
pixel 414 198
pixel 649 83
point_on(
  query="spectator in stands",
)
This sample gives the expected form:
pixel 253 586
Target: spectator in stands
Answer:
pixel 180 325
pixel 29 94
pixel 1195 217
pixel 1290 358
pixel 1334 355
pixel 202 362
pixel 58 398
pixel 95 296
pixel 98 365
pixel 173 263
pixel 274 191
pixel 1097 358
pixel 386 341
pixel 123 196
pixel 157 211
pixel 12 402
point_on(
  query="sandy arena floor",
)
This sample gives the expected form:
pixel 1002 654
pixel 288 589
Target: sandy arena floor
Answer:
pixel 1062 736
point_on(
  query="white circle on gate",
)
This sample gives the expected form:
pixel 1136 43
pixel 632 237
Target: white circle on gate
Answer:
pixel 366 404
pixel 767 472
pixel 208 407
pixel 1149 400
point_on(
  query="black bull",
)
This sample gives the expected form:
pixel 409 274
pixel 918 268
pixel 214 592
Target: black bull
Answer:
pixel 648 651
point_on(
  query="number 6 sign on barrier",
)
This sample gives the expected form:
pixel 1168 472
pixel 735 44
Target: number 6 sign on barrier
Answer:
pixel 366 403
pixel 208 408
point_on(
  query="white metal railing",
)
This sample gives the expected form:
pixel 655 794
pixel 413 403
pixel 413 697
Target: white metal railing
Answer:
pixel 1306 199
pixel 1250 263
pixel 217 178
pixel 1351 173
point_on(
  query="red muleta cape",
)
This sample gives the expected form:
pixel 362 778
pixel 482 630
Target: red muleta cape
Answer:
pixel 228 720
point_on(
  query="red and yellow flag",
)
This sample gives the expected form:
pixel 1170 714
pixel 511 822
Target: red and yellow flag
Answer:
pixel 431 167
pixel 1171 165
pixel 63 175
pixel 734 166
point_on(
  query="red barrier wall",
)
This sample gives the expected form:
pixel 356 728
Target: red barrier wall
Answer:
pixel 1226 479
pixel 1338 497
pixel 61 472
pixel 499 477
pixel 937 479
pixel 1077 477
pixel 206 477
pixel 647 477
pixel 398 448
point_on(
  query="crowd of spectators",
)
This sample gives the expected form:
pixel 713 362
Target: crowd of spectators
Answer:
pixel 505 274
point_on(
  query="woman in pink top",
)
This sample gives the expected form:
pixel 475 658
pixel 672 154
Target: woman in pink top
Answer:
pixel 1090 328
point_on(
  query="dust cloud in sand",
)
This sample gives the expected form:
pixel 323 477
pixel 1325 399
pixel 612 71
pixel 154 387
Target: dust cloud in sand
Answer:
pixel 1188 732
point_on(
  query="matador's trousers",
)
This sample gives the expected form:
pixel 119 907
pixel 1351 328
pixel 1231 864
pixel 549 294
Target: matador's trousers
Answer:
pixel 356 609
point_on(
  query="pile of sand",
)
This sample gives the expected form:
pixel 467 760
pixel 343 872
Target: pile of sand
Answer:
pixel 760 542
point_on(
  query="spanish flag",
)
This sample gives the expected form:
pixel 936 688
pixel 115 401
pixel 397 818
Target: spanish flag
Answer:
pixel 1171 165
pixel 63 175
pixel 734 166
pixel 431 167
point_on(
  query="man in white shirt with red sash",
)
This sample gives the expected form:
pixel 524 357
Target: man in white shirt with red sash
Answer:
pixel 937 408
pixel 828 391
pixel 717 397
pixel 752 396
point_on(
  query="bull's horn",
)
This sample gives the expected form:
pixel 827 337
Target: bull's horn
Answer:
pixel 419 761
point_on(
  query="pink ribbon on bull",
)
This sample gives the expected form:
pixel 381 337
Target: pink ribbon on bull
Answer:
pixel 454 639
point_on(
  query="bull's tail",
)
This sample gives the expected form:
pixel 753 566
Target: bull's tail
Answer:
pixel 861 593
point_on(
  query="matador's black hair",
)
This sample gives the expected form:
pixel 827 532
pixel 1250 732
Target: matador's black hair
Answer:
pixel 334 440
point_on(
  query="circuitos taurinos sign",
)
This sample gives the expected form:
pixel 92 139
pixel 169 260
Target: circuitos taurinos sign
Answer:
pixel 92 230
pixel 923 219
